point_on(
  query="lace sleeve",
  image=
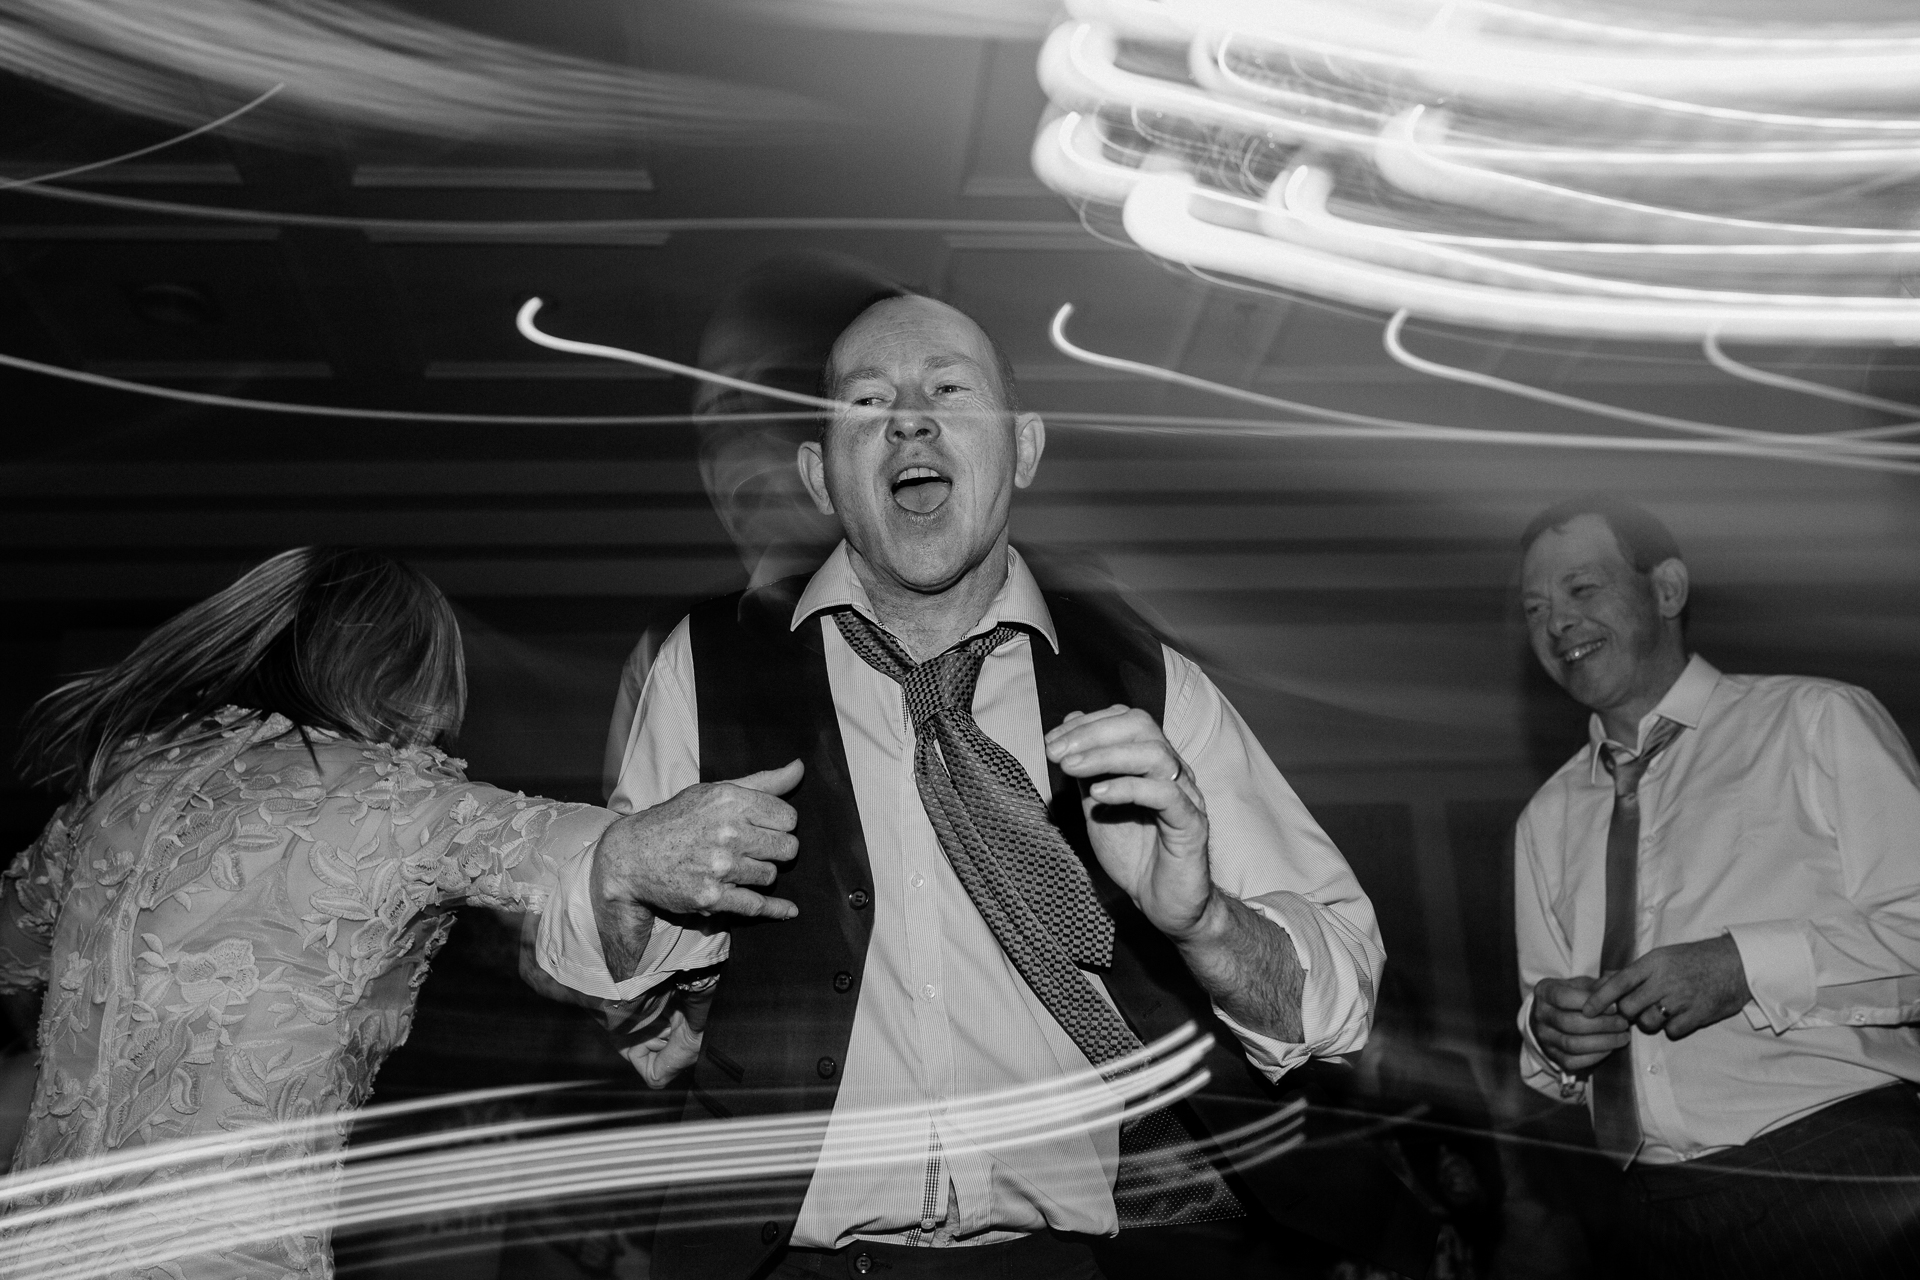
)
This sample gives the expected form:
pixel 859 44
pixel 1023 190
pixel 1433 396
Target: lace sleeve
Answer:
pixel 500 849
pixel 31 893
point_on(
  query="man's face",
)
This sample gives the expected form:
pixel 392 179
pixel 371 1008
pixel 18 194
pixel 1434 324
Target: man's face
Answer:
pixel 922 467
pixel 1604 631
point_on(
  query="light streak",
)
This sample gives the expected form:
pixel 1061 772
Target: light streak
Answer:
pixel 1158 216
pixel 217 401
pixel 14 184
pixel 557 230
pixel 227 1190
pixel 975 20
pixel 1409 154
pixel 1824 449
pixel 1390 338
pixel 1629 174
pixel 532 333
pixel 373 68
pixel 1448 57
pixel 1766 378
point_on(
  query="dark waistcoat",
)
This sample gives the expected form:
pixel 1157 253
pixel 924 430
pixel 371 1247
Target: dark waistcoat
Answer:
pixel 782 1017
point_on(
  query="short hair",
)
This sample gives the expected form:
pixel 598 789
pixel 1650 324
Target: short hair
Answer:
pixel 1002 366
pixel 341 639
pixel 1643 539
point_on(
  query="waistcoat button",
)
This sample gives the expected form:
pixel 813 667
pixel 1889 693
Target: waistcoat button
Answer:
pixel 859 899
pixel 769 1233
pixel 843 982
pixel 826 1067
pixel 863 1263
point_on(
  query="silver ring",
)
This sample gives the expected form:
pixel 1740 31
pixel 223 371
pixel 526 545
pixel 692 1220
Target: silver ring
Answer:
pixel 1662 1006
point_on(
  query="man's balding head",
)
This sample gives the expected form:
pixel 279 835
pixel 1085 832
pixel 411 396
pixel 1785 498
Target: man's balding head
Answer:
pixel 888 310
pixel 921 460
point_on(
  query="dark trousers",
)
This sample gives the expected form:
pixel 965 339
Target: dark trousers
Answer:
pixel 1834 1194
pixel 1043 1256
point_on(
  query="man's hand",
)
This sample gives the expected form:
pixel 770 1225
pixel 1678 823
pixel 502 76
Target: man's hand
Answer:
pixel 677 1046
pixel 696 854
pixel 1677 989
pixel 1147 823
pixel 1574 1039
pixel 1145 815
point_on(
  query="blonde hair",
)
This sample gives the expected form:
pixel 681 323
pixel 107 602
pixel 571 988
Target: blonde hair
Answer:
pixel 346 640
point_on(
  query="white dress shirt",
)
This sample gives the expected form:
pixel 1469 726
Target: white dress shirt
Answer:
pixel 1786 814
pixel 942 1013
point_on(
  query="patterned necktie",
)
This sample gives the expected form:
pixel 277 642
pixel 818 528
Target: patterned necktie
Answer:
pixel 1031 889
pixel 1616 1109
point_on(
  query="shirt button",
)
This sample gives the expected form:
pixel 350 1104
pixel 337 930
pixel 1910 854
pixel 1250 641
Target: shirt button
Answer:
pixel 859 900
pixel 928 991
pixel 928 1224
pixel 843 982
pixel 917 880
pixel 1653 1068
pixel 826 1067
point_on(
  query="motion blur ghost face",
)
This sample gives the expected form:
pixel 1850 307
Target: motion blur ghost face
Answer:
pixel 1608 633
pixel 922 464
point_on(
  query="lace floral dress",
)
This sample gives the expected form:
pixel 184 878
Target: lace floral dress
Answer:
pixel 232 937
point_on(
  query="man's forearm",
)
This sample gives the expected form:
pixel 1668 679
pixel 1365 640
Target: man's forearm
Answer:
pixel 624 927
pixel 1247 964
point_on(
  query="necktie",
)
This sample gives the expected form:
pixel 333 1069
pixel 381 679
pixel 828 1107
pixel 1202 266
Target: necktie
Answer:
pixel 1616 1109
pixel 1031 889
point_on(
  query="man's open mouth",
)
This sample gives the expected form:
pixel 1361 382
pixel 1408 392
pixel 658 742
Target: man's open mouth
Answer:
pixel 1581 651
pixel 921 490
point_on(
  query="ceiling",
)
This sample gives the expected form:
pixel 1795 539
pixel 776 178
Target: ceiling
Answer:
pixel 1352 591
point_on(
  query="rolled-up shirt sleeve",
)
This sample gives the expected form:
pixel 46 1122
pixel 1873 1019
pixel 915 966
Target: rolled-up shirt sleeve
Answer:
pixel 1858 966
pixel 1267 851
pixel 662 758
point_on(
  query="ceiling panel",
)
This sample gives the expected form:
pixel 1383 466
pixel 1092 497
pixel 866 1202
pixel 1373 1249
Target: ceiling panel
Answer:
pixel 224 298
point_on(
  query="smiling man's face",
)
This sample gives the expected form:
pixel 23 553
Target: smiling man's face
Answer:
pixel 922 466
pixel 1607 633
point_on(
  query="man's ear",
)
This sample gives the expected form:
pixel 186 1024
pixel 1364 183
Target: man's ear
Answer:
pixel 812 462
pixel 1670 587
pixel 1030 441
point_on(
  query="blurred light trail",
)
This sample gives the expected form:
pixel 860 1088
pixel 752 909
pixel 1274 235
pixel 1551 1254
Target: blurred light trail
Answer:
pixel 1830 449
pixel 216 1193
pixel 533 333
pixel 974 20
pixel 1586 178
pixel 1844 449
pixel 216 401
pixel 1391 340
pixel 555 230
pixel 1767 378
pixel 13 184
pixel 373 68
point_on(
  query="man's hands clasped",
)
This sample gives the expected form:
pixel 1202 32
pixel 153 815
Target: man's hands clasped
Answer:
pixel 1673 991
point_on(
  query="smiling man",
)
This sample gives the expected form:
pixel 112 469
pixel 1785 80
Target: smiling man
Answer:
pixel 1029 838
pixel 1718 906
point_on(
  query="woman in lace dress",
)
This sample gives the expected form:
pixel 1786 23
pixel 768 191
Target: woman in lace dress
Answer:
pixel 235 909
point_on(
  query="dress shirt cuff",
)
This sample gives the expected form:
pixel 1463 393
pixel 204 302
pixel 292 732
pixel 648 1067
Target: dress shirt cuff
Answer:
pixel 1270 1057
pixel 568 944
pixel 1538 1070
pixel 1778 958
pixel 1336 992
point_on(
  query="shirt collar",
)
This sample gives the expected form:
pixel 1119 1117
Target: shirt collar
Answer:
pixel 1018 603
pixel 1685 702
